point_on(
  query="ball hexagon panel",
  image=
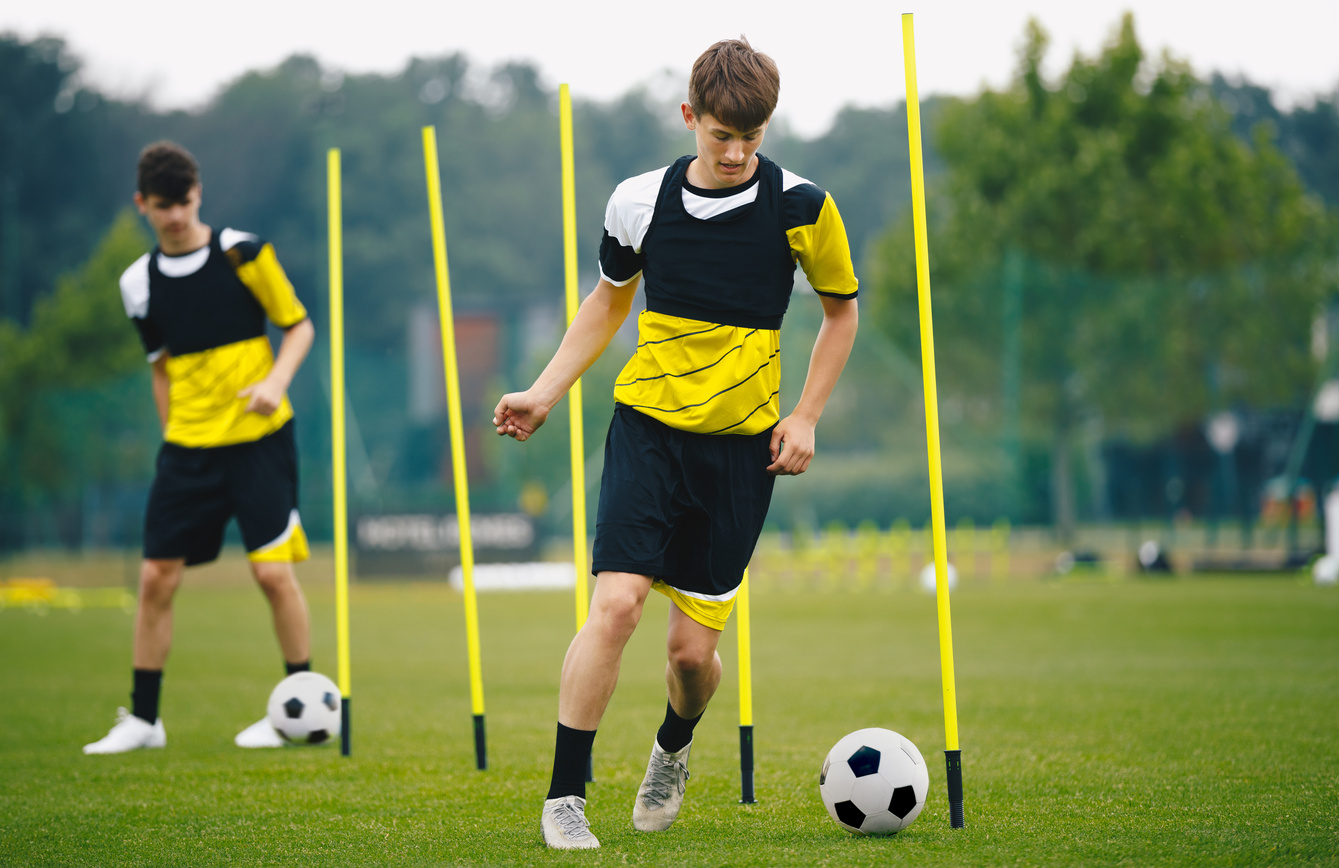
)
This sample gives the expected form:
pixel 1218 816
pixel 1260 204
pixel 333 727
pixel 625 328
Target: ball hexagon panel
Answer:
pixel 838 781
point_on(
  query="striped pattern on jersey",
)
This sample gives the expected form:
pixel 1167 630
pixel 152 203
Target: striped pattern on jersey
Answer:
pixel 717 267
pixel 205 312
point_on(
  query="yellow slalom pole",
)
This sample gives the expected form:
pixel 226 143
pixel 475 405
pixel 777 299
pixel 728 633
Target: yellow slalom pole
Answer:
pixel 578 437
pixel 457 438
pixel 952 754
pixel 337 447
pixel 745 693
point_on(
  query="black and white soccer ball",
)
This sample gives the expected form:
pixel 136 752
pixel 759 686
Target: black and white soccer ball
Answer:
pixel 305 708
pixel 874 782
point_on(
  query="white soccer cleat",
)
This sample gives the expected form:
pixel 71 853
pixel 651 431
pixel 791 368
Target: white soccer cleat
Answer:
pixel 130 733
pixel 565 825
pixel 260 734
pixel 661 793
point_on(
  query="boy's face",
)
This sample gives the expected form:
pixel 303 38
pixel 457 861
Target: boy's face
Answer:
pixel 725 155
pixel 175 223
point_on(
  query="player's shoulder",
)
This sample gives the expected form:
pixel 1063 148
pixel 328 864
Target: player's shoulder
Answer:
pixel 241 247
pixel 640 189
pixel 135 287
pixel 799 188
pixel 803 199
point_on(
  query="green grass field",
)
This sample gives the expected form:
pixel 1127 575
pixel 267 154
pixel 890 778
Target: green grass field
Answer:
pixel 1187 722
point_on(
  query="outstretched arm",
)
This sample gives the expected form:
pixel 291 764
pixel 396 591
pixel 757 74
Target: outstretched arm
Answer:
pixel 519 414
pixel 793 437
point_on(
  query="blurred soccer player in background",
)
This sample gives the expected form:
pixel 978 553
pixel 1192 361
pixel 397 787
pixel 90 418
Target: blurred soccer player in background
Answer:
pixel 200 300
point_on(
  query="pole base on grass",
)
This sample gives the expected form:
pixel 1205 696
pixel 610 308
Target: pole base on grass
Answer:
pixel 480 744
pixel 746 765
pixel 345 737
pixel 953 760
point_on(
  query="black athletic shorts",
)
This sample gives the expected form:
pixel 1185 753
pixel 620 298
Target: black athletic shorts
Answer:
pixel 682 507
pixel 196 491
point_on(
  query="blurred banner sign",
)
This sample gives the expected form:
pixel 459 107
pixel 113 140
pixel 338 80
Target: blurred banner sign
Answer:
pixel 427 545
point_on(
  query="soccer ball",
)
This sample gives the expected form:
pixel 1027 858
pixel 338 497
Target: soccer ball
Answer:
pixel 874 782
pixel 304 708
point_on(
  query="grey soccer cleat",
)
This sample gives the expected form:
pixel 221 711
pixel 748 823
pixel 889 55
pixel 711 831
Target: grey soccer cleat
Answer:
pixel 661 793
pixel 565 825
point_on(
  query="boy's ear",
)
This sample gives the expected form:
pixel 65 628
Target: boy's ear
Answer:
pixel 689 119
pixel 140 204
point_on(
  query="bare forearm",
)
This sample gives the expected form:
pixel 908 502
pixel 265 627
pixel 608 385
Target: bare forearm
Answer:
pixel 162 390
pixel 293 349
pixel 831 350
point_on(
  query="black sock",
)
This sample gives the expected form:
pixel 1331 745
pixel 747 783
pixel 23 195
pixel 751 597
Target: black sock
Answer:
pixel 675 732
pixel 304 666
pixel 144 697
pixel 571 758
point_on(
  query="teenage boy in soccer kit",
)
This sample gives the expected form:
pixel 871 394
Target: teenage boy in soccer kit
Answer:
pixel 200 300
pixel 697 438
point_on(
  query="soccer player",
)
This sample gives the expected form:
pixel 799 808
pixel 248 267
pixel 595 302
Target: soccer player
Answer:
pixel 200 300
pixel 697 437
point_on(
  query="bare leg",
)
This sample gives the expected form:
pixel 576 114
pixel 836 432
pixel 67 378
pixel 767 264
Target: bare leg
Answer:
pixel 158 583
pixel 590 670
pixel 291 622
pixel 694 669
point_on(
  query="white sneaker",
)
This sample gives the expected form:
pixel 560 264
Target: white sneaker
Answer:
pixel 260 734
pixel 565 825
pixel 130 733
pixel 661 793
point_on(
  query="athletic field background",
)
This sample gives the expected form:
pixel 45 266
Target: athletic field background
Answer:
pixel 1104 721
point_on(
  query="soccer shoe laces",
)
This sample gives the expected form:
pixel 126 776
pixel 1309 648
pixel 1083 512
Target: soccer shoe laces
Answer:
pixel 666 776
pixel 568 816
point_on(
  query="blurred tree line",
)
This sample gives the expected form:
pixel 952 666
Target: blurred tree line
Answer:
pixel 1083 232
pixel 1116 255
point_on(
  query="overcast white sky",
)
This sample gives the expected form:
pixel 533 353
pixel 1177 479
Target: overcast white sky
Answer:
pixel 831 52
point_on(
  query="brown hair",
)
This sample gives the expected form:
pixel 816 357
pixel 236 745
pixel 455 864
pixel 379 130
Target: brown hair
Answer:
pixel 167 169
pixel 734 84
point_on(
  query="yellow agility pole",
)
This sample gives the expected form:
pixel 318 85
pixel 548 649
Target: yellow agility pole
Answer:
pixel 745 693
pixel 952 754
pixel 457 438
pixel 578 437
pixel 337 447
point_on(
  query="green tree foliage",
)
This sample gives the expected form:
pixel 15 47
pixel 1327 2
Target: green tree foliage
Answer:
pixel 1157 260
pixel 58 144
pixel 59 368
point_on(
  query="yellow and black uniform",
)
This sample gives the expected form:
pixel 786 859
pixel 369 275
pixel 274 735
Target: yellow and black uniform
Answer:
pixel 205 312
pixel 685 489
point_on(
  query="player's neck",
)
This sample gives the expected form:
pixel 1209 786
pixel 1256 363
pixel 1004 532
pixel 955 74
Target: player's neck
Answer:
pixel 186 242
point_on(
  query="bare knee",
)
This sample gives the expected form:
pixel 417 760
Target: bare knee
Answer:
pixel 276 579
pixel 616 613
pixel 158 581
pixel 692 660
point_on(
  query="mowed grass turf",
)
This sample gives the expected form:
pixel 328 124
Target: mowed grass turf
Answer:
pixel 1185 722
